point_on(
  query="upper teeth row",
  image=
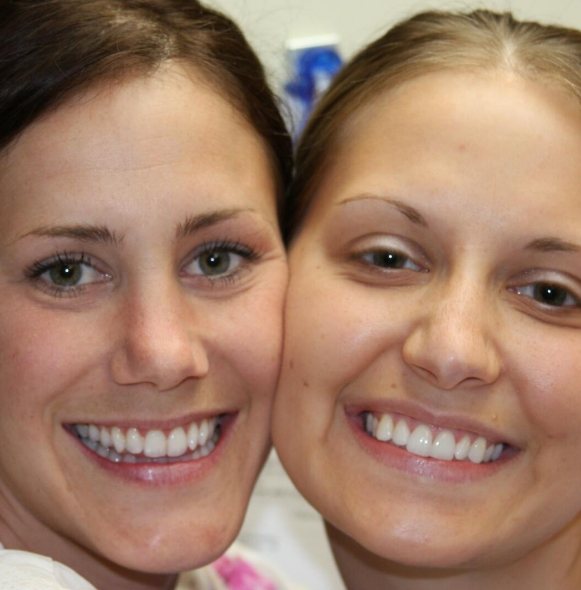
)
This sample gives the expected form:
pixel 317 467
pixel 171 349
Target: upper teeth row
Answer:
pixel 153 443
pixel 422 442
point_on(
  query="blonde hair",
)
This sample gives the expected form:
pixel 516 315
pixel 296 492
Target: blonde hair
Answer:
pixel 429 42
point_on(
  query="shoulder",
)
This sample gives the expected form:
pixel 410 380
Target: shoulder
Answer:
pixel 21 570
pixel 238 569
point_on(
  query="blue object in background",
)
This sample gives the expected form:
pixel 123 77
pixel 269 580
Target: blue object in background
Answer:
pixel 313 68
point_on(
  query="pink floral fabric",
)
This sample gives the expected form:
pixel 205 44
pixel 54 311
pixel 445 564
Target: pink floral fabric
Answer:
pixel 238 574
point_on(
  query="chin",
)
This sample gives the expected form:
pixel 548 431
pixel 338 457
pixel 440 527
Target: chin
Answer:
pixel 189 543
pixel 409 546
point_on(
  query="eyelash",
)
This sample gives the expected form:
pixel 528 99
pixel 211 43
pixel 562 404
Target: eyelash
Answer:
pixel 224 247
pixel 39 268
pixel 566 299
pixel 572 301
pixel 388 254
pixel 36 271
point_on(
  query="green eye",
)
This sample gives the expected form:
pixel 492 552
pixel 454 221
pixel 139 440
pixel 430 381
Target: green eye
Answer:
pixel 66 274
pixel 215 263
pixel 220 261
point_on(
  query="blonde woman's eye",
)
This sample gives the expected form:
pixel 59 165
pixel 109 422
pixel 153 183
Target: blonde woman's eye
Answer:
pixel 389 259
pixel 549 294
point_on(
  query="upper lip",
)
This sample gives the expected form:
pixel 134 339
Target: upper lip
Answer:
pixel 154 424
pixel 448 421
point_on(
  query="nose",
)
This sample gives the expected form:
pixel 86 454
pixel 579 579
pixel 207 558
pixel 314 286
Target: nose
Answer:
pixel 451 344
pixel 158 339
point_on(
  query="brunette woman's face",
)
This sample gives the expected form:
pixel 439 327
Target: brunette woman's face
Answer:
pixel 430 399
pixel 139 257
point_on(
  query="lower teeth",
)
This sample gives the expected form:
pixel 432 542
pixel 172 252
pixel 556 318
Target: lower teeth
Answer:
pixel 111 455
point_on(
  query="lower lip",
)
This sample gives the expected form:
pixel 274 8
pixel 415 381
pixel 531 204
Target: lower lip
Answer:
pixel 402 460
pixel 165 474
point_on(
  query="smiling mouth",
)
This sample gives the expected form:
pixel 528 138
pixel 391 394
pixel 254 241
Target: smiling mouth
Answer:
pixel 132 445
pixel 426 440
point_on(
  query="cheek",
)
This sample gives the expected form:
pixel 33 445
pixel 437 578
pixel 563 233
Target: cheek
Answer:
pixel 335 329
pixel 42 353
pixel 249 336
pixel 551 384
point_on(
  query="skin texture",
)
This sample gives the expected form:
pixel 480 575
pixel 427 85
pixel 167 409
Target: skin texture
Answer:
pixel 165 165
pixel 453 330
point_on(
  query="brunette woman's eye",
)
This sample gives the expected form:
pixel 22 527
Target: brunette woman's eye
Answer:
pixel 216 263
pixel 220 261
pixel 549 294
pixel 65 273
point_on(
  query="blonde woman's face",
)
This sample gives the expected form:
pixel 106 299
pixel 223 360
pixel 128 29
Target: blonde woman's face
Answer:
pixel 430 400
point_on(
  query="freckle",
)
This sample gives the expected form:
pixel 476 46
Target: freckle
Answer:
pixel 306 384
pixel 392 386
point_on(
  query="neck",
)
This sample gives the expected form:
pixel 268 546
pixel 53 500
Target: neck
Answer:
pixel 555 565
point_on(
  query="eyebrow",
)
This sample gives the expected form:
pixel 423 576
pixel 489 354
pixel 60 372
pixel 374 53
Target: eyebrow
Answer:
pixel 552 245
pixel 196 222
pixel 84 233
pixel 406 210
pixel 95 233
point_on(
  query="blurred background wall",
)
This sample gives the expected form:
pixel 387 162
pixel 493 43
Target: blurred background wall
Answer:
pixel 270 24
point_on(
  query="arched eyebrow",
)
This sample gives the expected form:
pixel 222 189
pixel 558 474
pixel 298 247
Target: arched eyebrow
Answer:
pixel 84 233
pixel 553 245
pixel 196 222
pixel 409 212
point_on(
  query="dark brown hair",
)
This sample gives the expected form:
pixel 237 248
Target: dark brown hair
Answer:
pixel 429 42
pixel 52 49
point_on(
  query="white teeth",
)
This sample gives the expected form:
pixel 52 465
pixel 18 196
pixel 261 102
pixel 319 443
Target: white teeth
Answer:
pixel 420 441
pixel 192 436
pixel 118 439
pixel 384 429
pixel 203 433
pixel 83 430
pixel 488 454
pixel 134 442
pixel 155 444
pixel 444 446
pixel 462 449
pixel 105 437
pixel 370 419
pixel 401 434
pixel 131 446
pixel 176 443
pixel 427 441
pixel 477 450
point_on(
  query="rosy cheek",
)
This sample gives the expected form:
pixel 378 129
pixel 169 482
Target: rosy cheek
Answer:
pixel 549 387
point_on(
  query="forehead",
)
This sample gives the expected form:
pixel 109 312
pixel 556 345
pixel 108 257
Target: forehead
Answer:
pixel 169 127
pixel 488 136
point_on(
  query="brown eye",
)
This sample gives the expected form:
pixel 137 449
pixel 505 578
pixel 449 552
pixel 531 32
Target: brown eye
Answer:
pixel 549 295
pixel 389 259
pixel 553 295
